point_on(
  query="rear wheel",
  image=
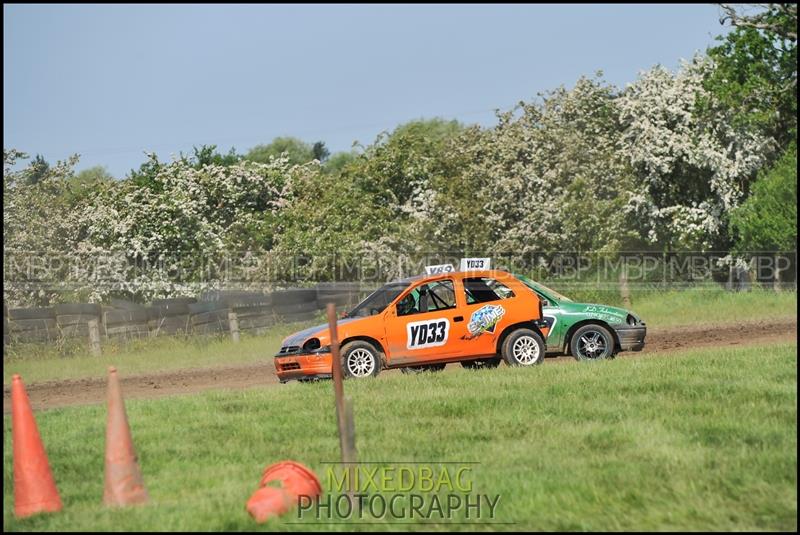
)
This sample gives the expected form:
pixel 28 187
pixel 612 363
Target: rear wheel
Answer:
pixel 481 364
pixel 423 368
pixel 592 342
pixel 360 359
pixel 523 347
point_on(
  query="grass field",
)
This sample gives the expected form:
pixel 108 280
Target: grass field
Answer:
pixel 701 440
pixel 710 306
pixel 659 310
pixel 144 356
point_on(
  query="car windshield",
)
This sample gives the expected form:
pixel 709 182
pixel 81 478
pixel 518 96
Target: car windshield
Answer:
pixel 538 287
pixel 377 301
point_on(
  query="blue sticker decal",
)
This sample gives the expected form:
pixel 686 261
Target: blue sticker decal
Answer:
pixel 485 319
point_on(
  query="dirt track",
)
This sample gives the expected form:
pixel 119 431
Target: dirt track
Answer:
pixel 54 394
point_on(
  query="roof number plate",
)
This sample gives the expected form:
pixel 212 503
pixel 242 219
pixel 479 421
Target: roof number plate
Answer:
pixel 441 268
pixel 468 264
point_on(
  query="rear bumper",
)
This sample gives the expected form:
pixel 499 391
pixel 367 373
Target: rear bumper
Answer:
pixel 631 337
pixel 303 367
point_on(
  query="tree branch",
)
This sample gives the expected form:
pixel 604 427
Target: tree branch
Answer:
pixel 760 21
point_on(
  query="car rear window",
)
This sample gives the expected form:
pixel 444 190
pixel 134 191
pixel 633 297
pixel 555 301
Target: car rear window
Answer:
pixel 484 289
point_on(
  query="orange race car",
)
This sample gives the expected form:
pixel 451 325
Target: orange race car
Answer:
pixel 421 323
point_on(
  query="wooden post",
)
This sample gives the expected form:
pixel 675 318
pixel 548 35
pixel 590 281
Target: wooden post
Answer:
pixel 729 284
pixel 344 408
pixel 624 291
pixel 94 337
pixel 749 275
pixel 776 275
pixel 336 371
pixel 233 323
pixel 349 450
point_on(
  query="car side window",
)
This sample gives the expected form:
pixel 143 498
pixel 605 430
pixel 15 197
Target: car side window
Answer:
pixel 437 295
pixel 483 289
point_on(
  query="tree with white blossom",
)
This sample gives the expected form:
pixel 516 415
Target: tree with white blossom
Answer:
pixel 691 167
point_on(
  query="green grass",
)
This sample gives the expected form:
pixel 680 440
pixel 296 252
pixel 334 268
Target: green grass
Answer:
pixel 712 306
pixel 40 363
pixel 702 440
pixel 659 310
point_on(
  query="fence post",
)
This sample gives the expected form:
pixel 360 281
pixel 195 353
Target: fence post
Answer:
pixel 233 322
pixel 94 337
pixel 776 275
pixel 350 454
pixel 624 291
pixel 344 406
pixel 729 284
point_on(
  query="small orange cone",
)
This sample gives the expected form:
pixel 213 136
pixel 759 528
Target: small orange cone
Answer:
pixel 34 487
pixel 268 502
pixel 124 485
pixel 295 478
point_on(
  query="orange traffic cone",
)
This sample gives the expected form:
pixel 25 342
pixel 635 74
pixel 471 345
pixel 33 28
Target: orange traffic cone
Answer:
pixel 34 487
pixel 268 502
pixel 124 485
pixel 295 478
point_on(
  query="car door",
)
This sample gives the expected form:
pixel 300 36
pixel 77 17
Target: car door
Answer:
pixel 485 303
pixel 419 326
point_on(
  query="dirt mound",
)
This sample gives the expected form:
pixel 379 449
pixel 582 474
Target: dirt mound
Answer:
pixel 688 337
pixel 52 394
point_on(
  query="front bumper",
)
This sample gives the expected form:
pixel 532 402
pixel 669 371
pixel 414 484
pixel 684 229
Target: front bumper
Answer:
pixel 631 337
pixel 303 367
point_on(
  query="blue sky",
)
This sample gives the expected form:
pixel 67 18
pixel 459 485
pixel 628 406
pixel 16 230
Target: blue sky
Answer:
pixel 110 82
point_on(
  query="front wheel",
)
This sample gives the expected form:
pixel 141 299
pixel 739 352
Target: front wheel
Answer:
pixel 360 359
pixel 592 342
pixel 523 347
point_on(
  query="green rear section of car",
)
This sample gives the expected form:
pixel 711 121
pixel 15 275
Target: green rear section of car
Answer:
pixel 565 317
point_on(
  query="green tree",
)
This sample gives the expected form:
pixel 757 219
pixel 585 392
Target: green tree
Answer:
pixel 338 161
pixel 145 176
pixel 37 170
pixel 549 176
pixel 298 151
pixel 83 184
pixel 39 224
pixel 399 167
pixel 399 173
pixel 330 216
pixel 320 151
pixel 202 156
pixel 92 175
pixel 755 71
pixel 767 220
pixel 208 155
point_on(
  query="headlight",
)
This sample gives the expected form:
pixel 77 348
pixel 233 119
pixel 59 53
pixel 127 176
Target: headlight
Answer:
pixel 631 320
pixel 311 344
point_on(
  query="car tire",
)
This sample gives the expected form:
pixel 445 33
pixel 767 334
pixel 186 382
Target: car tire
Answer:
pixel 481 364
pixel 360 359
pixel 423 368
pixel 523 347
pixel 592 342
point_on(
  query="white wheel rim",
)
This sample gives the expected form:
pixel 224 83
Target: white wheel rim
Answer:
pixel 592 345
pixel 360 363
pixel 525 350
